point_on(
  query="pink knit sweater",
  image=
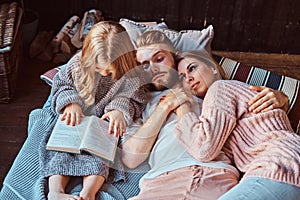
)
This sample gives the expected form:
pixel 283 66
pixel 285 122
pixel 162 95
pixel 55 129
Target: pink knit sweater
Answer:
pixel 261 145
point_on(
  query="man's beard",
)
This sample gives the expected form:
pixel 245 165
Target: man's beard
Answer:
pixel 157 87
pixel 167 84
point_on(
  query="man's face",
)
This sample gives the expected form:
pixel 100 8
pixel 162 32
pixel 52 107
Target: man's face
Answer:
pixel 160 66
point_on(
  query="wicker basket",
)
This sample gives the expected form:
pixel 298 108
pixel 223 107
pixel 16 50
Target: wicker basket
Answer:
pixel 10 48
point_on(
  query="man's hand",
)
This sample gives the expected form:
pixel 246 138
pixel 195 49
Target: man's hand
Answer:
pixel 267 99
pixel 72 114
pixel 175 98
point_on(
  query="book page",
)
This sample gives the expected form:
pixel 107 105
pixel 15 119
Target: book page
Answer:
pixel 66 137
pixel 98 141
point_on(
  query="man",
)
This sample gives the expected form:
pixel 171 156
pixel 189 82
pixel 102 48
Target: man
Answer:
pixel 174 173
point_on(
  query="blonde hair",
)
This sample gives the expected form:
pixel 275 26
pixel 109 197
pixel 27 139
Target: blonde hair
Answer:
pixel 107 44
pixel 155 37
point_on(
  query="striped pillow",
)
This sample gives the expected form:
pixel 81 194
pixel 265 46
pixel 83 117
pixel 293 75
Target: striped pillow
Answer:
pixel 254 75
pixel 49 75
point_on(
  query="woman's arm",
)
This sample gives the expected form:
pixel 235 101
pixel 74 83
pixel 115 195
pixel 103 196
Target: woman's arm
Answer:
pixel 205 136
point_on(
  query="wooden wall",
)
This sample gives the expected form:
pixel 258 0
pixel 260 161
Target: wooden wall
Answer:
pixel 270 26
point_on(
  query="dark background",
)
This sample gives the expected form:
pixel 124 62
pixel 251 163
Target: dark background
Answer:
pixel 269 26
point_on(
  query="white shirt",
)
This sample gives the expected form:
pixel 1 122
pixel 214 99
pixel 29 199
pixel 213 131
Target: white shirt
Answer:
pixel 167 153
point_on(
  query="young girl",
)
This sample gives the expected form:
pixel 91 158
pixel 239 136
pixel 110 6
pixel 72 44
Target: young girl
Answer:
pixel 263 146
pixel 99 80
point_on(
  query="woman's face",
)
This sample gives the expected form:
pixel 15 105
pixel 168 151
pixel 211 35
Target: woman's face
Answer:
pixel 196 75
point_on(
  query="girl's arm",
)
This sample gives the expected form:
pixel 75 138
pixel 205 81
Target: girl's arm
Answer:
pixel 117 124
pixel 72 114
pixel 130 98
pixel 63 89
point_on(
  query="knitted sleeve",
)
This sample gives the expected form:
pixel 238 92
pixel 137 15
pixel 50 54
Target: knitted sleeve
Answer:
pixel 63 89
pixel 130 99
pixel 205 136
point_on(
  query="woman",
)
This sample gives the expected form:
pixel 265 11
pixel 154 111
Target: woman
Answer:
pixel 263 146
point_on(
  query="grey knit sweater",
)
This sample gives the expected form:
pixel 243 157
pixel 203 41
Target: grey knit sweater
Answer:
pixel 124 94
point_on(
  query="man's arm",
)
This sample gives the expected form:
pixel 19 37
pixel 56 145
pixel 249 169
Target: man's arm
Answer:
pixel 137 147
pixel 268 99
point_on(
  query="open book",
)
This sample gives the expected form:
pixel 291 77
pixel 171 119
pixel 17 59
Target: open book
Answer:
pixel 91 135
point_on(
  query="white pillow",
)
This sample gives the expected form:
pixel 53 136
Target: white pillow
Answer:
pixel 135 29
pixel 184 40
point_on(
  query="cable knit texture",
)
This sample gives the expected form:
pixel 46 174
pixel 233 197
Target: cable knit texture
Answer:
pixel 124 94
pixel 261 145
pixel 24 180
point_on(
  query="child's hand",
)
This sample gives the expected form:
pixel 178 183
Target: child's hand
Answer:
pixel 72 114
pixel 117 124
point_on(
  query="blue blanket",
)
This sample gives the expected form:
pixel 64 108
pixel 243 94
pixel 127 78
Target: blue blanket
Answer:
pixel 24 180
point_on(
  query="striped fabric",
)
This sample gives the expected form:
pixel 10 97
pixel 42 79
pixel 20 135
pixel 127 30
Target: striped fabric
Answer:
pixel 254 75
pixel 49 75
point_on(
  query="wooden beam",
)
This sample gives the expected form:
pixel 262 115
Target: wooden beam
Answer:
pixel 285 64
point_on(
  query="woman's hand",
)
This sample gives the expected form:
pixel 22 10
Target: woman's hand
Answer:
pixel 175 98
pixel 72 114
pixel 117 124
pixel 268 99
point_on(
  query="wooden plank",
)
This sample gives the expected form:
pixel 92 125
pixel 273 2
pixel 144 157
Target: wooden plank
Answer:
pixel 289 41
pixel 285 64
pixel 224 25
pixel 294 44
pixel 13 134
pixel 258 16
pixel 212 16
pixel 8 152
pixel 277 27
pixel 213 11
pixel 185 14
pixel 197 15
pixel 235 37
pixel 171 14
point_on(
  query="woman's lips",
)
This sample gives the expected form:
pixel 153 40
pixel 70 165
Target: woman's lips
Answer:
pixel 195 85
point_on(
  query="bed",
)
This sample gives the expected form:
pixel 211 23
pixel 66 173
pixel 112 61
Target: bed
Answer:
pixel 24 181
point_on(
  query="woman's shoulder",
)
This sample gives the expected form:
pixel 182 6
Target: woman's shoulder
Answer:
pixel 229 83
pixel 233 87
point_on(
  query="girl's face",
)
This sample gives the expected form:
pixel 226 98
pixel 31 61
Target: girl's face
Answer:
pixel 106 71
pixel 196 75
